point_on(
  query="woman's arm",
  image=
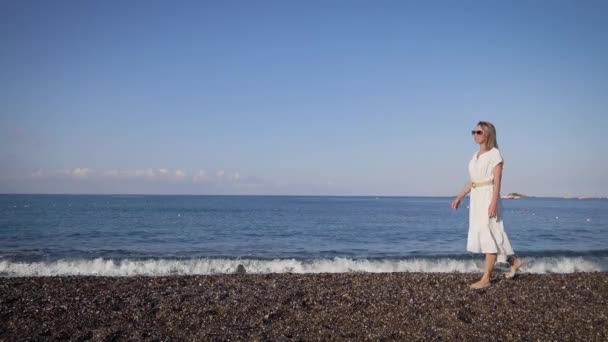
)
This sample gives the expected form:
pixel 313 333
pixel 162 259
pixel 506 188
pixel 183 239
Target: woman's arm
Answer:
pixel 466 190
pixel 497 182
pixel 460 196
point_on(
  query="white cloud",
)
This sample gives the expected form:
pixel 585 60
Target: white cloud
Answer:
pixel 37 174
pixel 77 173
pixel 233 177
pixel 179 174
pixel 200 176
pixel 62 172
pixel 118 174
pixel 149 174
pixel 146 173
pixel 162 174
pixel 82 172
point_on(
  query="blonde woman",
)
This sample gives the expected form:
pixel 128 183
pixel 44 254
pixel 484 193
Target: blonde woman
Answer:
pixel 486 231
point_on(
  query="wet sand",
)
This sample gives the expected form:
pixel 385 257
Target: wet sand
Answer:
pixel 277 307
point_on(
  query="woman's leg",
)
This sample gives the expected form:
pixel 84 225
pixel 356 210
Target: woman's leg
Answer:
pixel 515 262
pixel 487 274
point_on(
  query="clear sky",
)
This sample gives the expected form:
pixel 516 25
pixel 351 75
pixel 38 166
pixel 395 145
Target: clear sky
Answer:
pixel 300 97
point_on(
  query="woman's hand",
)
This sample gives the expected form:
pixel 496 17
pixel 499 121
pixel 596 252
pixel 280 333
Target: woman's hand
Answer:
pixel 492 209
pixel 456 202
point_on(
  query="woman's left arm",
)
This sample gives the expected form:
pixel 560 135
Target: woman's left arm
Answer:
pixel 497 180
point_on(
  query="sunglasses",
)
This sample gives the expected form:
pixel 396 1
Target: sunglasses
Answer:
pixel 476 132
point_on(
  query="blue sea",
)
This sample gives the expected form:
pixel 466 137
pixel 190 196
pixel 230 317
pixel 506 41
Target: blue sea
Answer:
pixel 127 235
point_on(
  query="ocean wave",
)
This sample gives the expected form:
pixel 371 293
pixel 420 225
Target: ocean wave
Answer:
pixel 208 266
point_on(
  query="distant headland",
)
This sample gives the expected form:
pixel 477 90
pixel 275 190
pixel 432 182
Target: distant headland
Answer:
pixel 514 195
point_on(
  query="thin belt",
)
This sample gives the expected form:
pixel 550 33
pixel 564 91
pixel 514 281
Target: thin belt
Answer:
pixel 478 184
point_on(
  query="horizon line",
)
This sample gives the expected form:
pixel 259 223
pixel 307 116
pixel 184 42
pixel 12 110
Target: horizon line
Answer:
pixel 278 195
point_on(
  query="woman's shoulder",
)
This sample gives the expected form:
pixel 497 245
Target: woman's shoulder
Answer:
pixel 497 155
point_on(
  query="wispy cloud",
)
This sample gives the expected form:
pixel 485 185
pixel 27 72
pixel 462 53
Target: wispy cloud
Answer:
pixel 161 180
pixel 148 174
pixel 200 177
pixel 77 173
pixel 82 172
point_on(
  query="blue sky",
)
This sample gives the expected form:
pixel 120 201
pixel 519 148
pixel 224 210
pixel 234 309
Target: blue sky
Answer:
pixel 300 97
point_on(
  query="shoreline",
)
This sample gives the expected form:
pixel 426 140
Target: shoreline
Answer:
pixel 292 306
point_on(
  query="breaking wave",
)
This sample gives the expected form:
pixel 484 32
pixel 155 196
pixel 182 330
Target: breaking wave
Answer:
pixel 208 266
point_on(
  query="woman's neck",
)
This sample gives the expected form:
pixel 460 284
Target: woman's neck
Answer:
pixel 483 148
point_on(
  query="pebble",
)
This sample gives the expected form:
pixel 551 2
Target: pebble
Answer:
pixel 302 307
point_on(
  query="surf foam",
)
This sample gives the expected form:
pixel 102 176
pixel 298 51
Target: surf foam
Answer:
pixel 205 266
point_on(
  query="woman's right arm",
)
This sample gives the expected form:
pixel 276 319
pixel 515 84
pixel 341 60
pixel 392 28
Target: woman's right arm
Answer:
pixel 460 196
pixel 466 190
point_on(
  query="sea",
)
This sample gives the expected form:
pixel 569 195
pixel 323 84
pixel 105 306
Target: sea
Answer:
pixel 154 235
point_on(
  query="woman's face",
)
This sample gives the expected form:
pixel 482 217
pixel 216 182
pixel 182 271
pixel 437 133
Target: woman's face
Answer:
pixel 479 135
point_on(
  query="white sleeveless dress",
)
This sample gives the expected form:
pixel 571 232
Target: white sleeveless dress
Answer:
pixel 486 235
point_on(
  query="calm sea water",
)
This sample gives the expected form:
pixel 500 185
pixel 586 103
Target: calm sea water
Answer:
pixel 156 235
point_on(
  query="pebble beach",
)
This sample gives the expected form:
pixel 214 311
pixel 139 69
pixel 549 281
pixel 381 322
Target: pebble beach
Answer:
pixel 305 307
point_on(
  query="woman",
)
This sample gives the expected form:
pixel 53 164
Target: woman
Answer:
pixel 486 230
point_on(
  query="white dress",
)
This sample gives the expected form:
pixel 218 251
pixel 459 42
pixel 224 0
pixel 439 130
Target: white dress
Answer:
pixel 486 235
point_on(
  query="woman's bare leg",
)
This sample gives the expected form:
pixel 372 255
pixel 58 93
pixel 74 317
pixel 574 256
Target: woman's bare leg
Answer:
pixel 515 263
pixel 487 274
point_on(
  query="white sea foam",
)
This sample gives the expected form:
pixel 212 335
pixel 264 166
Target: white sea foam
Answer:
pixel 203 266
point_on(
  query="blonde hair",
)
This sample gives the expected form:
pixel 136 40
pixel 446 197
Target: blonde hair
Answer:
pixel 490 132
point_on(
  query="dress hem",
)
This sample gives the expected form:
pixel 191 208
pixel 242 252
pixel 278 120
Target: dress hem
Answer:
pixel 485 252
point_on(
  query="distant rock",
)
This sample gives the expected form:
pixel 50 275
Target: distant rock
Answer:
pixel 240 269
pixel 514 195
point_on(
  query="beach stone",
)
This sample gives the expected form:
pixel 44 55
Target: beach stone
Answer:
pixel 240 269
pixel 464 315
pixel 324 306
